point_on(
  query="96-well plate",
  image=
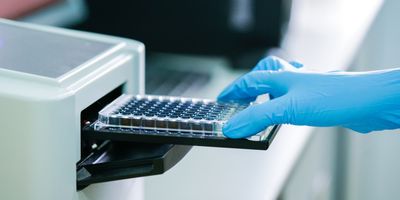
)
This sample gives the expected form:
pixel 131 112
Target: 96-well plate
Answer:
pixel 175 120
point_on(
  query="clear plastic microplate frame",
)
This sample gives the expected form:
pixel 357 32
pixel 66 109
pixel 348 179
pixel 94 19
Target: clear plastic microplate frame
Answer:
pixel 174 116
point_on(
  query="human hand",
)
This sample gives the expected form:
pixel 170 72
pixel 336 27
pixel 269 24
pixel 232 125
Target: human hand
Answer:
pixel 363 102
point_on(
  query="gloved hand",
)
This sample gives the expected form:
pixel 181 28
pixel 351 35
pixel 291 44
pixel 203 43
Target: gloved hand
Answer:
pixel 363 101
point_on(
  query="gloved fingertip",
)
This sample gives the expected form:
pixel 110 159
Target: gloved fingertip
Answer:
pixel 296 64
pixel 224 95
pixel 359 128
pixel 362 130
pixel 227 130
pixel 221 96
pixel 268 63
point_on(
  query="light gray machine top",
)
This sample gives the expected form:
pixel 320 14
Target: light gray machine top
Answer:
pixel 44 54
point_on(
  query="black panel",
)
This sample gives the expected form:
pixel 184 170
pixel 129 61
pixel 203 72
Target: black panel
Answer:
pixel 181 26
pixel 121 160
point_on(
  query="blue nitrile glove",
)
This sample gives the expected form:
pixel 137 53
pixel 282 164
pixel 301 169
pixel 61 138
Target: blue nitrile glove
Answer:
pixel 361 101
